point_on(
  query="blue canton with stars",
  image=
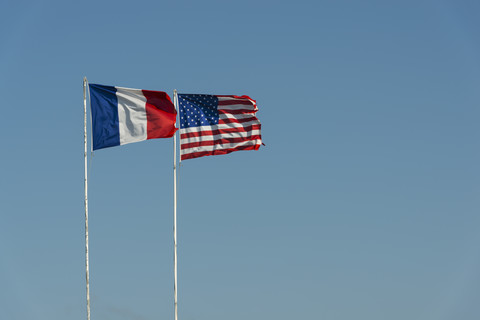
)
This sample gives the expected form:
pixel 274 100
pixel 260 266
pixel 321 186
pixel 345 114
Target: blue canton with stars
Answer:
pixel 197 110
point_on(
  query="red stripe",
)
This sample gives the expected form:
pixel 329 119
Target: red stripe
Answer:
pixel 229 120
pixel 217 152
pixel 161 115
pixel 234 102
pixel 238 111
pixel 219 131
pixel 220 141
pixel 244 97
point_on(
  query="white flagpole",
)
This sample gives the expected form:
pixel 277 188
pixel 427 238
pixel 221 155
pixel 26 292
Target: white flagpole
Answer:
pixel 87 276
pixel 175 211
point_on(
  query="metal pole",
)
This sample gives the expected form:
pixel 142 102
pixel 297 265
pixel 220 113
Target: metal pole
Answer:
pixel 175 211
pixel 87 276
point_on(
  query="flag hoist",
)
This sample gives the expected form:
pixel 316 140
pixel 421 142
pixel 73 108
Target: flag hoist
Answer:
pixel 175 101
pixel 87 275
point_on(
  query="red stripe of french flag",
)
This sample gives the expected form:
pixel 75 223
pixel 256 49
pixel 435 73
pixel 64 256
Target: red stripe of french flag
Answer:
pixel 161 114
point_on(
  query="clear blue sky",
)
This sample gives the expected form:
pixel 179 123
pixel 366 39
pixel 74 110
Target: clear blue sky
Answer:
pixel 364 204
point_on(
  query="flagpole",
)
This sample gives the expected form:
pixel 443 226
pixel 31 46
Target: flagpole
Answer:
pixel 175 211
pixel 87 276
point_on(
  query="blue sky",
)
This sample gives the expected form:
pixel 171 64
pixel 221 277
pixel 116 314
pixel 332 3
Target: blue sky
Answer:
pixel 362 205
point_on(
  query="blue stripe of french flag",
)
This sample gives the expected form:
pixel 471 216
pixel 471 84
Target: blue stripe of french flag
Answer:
pixel 124 115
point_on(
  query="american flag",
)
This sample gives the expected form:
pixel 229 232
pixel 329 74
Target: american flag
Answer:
pixel 212 124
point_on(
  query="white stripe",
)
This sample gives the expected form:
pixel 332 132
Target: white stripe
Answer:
pixel 221 146
pixel 237 107
pixel 219 126
pixel 132 115
pixel 235 116
pixel 220 136
pixel 229 98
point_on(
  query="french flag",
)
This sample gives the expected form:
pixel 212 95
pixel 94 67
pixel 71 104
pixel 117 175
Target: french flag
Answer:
pixel 124 115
